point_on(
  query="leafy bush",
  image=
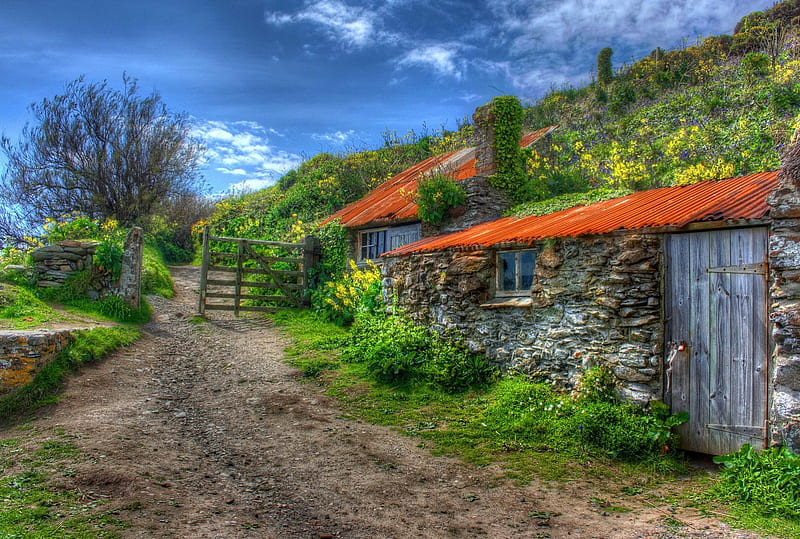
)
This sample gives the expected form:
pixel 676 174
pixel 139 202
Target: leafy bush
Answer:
pixel 510 176
pixel 355 292
pixel 393 348
pixel 767 481
pixel 334 254
pixel 756 63
pixel 396 350
pixel 597 384
pixel 534 414
pixel 108 257
pixel 436 195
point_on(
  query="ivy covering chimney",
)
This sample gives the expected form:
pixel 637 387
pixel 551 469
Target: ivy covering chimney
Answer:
pixel 498 127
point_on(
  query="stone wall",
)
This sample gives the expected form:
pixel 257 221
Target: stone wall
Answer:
pixel 54 263
pixel 784 265
pixel 594 301
pixel 24 353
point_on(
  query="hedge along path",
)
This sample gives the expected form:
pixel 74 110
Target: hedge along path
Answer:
pixel 201 430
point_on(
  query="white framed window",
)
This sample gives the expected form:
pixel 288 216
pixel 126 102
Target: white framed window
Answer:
pixel 515 272
pixel 372 244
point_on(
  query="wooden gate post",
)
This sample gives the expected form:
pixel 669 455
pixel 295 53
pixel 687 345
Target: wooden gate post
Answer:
pixel 312 253
pixel 201 303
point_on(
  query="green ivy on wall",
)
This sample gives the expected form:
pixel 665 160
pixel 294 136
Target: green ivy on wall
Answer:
pixel 506 114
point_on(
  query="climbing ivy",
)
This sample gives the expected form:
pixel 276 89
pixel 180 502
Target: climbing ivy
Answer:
pixel 506 114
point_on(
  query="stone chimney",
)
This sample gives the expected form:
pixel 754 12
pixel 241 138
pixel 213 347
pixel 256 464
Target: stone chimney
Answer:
pixel 485 163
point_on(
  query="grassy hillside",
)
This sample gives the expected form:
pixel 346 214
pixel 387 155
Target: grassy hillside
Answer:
pixel 722 107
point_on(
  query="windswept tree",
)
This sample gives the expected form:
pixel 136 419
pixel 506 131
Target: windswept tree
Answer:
pixel 103 152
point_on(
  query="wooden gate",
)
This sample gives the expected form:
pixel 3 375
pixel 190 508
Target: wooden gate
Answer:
pixel 716 337
pixel 240 274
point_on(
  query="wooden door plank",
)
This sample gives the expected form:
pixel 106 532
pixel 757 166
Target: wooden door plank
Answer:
pixel 720 336
pixel 748 357
pixel 677 305
pixel 699 320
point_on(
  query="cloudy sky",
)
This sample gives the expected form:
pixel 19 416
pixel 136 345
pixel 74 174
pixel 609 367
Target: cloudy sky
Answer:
pixel 272 82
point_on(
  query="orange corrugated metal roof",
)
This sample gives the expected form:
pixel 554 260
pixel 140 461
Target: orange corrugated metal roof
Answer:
pixel 737 198
pixel 392 201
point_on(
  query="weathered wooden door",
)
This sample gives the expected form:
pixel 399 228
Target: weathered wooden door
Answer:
pixel 716 337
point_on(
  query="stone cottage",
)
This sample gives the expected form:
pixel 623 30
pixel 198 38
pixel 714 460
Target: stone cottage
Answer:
pixel 386 218
pixel 689 294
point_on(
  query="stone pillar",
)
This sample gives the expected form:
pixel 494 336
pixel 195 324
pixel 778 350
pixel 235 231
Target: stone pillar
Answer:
pixel 485 162
pixel 784 308
pixel 130 275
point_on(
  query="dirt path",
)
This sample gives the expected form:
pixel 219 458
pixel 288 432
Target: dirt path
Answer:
pixel 200 430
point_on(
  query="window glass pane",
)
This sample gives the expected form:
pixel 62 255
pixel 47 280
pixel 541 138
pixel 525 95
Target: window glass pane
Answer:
pixel 527 261
pixel 507 271
pixel 364 245
pixel 381 243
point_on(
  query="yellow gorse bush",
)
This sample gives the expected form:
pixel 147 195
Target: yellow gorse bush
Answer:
pixel 345 295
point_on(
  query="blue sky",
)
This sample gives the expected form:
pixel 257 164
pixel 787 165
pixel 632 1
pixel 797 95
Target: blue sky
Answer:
pixel 272 82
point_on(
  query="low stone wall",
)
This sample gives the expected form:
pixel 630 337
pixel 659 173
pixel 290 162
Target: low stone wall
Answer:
pixel 24 353
pixel 54 263
pixel 594 301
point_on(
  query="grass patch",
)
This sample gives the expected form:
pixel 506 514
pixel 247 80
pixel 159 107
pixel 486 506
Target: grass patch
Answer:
pixel 89 345
pixel 494 423
pixel 313 341
pixel 23 310
pixel 156 278
pixel 34 503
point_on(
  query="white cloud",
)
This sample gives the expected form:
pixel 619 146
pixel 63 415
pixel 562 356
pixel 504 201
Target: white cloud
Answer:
pixel 353 26
pixel 249 186
pixel 242 149
pixel 232 172
pixel 337 137
pixel 442 59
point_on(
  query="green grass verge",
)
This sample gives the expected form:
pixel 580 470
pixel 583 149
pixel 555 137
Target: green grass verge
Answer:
pixel 88 345
pixel 35 501
pixel 23 310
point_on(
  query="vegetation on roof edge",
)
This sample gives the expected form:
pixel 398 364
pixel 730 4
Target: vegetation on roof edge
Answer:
pixel 564 202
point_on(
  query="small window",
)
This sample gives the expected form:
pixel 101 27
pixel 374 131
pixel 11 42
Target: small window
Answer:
pixel 515 272
pixel 373 244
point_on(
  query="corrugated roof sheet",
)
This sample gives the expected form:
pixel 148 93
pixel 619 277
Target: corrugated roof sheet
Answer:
pixel 743 197
pixel 392 201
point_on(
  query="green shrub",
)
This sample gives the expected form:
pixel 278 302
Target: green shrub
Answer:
pixel 436 195
pixel 767 481
pixel 333 254
pixel 358 291
pixel 396 350
pixel 597 384
pixel 393 348
pixel 108 257
pixel 756 63
pixel 604 72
